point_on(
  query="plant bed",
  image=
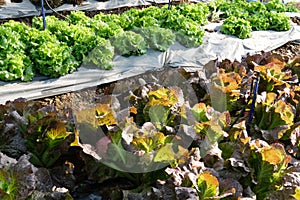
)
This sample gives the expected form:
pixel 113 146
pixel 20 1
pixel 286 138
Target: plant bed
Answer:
pixel 222 159
pixel 78 34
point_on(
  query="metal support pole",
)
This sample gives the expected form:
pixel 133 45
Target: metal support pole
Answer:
pixel 169 5
pixel 43 14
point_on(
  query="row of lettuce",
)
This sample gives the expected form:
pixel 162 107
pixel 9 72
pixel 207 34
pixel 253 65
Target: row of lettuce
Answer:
pixel 65 44
pixel 242 18
pixel 199 145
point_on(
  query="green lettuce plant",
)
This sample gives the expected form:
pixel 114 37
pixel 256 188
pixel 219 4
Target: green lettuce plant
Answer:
pixel 129 43
pixel 256 7
pixel 54 59
pixel 103 25
pixel 275 5
pixel 146 21
pixel 196 12
pixel 15 64
pixel 237 26
pixel 102 55
pixel 129 18
pixel 278 21
pixel 50 56
pixel 157 38
pixel 237 8
pixel 258 21
pixel 189 33
pixel 79 36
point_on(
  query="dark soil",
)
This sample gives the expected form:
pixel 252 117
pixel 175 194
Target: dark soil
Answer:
pixel 289 50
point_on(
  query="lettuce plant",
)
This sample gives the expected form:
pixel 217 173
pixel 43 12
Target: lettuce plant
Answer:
pixel 102 55
pixel 269 163
pixel 129 18
pixel 258 22
pixel 47 138
pixel 271 113
pixel 236 8
pixel 273 76
pixel 275 5
pixel 50 56
pixel 146 21
pixel 15 64
pixel 103 25
pixel 157 38
pixel 159 107
pixel 99 115
pixel 189 33
pixel 129 43
pixel 226 85
pixel 54 59
pixel 237 26
pixel 196 12
pixel 256 7
pixel 294 65
pixel 278 21
pixel 80 37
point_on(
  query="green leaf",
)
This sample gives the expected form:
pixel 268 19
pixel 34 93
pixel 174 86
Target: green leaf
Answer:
pixel 165 154
pixel 158 114
pixel 199 111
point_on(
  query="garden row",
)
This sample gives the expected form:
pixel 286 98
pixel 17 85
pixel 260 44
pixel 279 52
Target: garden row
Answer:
pixel 65 44
pixel 183 141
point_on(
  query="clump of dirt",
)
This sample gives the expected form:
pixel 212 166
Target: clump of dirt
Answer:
pixel 288 51
pixel 296 20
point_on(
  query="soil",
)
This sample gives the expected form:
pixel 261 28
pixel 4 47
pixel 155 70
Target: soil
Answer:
pixel 289 51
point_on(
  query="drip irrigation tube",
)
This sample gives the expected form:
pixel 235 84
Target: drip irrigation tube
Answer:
pixel 250 117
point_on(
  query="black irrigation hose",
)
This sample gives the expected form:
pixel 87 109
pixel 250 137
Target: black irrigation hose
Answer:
pixel 250 117
pixel 54 10
pixel 253 90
